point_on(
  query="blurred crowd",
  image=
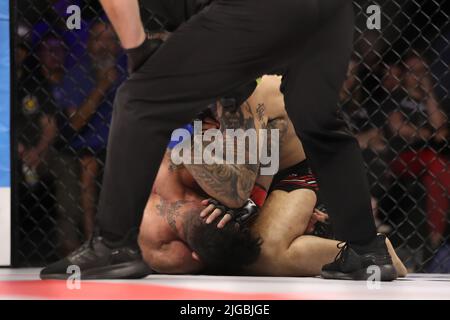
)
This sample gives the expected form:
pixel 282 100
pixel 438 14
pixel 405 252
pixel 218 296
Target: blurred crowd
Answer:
pixel 397 107
pixel 66 83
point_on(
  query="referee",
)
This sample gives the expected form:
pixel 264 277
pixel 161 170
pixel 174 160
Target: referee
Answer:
pixel 223 47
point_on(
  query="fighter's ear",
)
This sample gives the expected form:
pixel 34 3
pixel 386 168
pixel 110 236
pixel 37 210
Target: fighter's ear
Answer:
pixel 195 256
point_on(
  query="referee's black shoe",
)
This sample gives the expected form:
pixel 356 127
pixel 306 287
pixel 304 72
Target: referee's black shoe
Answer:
pixel 98 259
pixel 362 262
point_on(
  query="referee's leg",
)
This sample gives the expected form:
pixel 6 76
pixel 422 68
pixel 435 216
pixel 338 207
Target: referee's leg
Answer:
pixel 311 87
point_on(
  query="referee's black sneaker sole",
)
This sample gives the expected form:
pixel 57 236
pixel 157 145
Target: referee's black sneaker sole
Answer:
pixel 126 270
pixel 380 273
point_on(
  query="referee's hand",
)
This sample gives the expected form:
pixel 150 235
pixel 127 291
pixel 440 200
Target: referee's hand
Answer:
pixel 138 56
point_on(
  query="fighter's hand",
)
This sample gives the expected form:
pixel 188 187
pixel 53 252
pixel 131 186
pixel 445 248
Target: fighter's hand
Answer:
pixel 213 211
pixel 317 216
pixel 241 216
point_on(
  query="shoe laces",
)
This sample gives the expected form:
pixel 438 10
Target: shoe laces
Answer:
pixel 342 246
pixel 88 244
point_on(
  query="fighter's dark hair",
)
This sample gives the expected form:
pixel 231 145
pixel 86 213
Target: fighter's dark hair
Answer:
pixel 223 251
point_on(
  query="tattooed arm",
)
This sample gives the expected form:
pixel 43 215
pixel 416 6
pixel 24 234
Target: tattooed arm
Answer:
pixel 231 184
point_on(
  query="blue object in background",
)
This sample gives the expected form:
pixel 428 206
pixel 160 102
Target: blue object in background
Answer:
pixel 5 166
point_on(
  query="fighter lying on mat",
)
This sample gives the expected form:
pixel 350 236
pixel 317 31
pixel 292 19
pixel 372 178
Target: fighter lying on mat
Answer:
pixel 175 239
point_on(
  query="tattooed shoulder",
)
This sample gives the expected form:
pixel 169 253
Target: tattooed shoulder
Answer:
pixel 171 211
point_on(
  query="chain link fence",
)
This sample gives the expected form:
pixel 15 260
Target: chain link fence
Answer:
pixel 395 100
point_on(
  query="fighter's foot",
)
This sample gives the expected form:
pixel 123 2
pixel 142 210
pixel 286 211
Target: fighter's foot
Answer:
pixel 402 271
pixel 96 259
pixel 361 262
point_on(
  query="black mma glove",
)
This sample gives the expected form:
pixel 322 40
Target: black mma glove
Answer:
pixel 243 215
pixel 323 229
pixel 138 56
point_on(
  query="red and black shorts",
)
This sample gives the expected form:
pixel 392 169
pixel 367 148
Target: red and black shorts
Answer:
pixel 293 178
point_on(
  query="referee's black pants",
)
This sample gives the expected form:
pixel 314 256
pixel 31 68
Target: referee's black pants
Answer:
pixel 222 48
